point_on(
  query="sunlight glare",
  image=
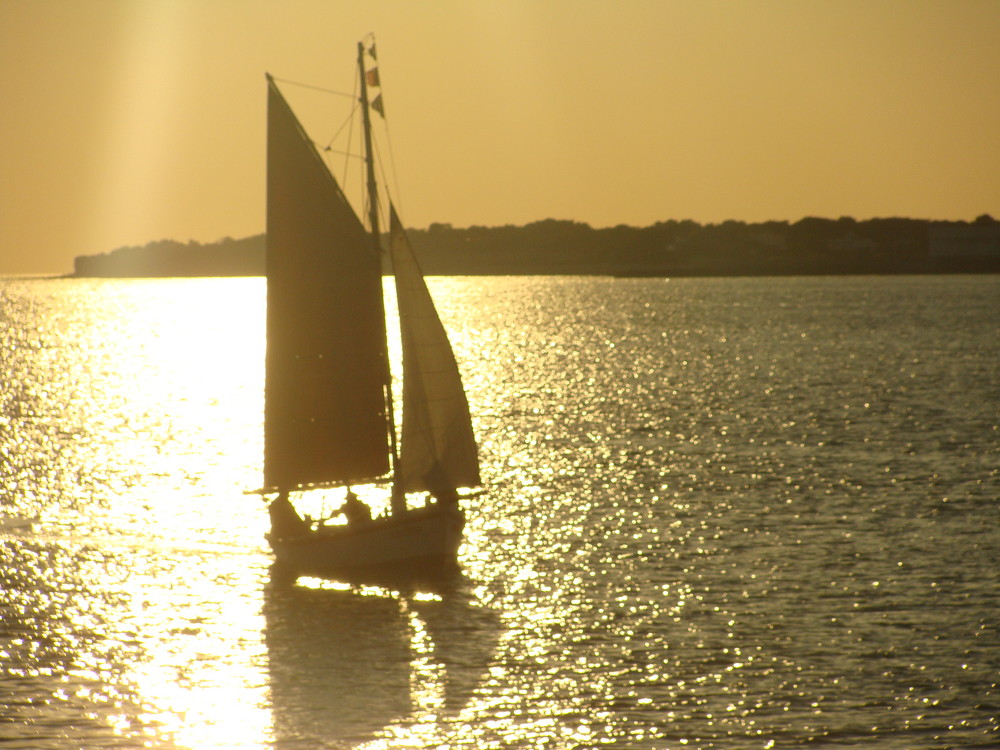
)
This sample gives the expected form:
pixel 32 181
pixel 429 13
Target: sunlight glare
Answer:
pixel 138 164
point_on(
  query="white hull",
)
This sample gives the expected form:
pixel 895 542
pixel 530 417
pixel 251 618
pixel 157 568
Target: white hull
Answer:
pixel 419 543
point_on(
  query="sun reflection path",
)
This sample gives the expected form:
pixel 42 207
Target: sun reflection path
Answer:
pixel 202 671
pixel 186 401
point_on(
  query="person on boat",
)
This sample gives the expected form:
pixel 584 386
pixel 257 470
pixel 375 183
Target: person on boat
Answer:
pixel 354 510
pixel 285 521
pixel 441 487
pixel 447 496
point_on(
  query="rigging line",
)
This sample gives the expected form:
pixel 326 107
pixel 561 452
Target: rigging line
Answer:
pixel 311 86
pixel 376 143
pixel 352 122
pixel 381 206
pixel 347 121
pixel 328 150
pixel 392 162
pixel 385 186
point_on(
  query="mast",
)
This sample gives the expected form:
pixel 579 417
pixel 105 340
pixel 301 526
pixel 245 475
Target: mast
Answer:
pixel 369 159
pixel 397 500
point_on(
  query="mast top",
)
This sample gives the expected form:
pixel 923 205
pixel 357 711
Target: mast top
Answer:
pixel 373 223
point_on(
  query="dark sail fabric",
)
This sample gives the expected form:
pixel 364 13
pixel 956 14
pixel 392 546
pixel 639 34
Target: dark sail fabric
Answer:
pixel 438 447
pixel 324 408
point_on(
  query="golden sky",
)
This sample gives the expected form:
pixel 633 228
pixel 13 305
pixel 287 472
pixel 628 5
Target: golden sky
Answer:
pixel 126 121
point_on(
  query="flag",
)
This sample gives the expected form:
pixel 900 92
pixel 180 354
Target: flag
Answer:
pixel 378 106
pixel 371 51
pixel 372 77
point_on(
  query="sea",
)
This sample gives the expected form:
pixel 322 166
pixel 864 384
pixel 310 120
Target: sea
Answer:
pixel 718 513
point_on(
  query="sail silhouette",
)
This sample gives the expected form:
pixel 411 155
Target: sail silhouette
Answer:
pixel 437 429
pixel 329 417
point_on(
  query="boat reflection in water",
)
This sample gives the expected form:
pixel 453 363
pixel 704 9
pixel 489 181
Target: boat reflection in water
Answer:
pixel 347 662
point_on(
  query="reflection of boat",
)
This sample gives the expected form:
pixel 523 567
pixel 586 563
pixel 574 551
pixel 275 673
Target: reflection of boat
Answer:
pixel 464 635
pixel 345 664
pixel 338 664
pixel 328 415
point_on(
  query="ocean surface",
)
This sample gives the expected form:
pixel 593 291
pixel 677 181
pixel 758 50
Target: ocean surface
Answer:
pixel 720 513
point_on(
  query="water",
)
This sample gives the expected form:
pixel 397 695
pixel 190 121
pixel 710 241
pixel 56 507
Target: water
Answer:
pixel 722 513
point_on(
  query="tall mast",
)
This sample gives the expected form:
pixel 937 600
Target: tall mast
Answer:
pixel 369 159
pixel 377 249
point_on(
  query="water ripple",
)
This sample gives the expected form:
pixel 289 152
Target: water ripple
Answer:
pixel 722 513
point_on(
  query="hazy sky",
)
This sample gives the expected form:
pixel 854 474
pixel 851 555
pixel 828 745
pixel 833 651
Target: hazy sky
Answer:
pixel 125 121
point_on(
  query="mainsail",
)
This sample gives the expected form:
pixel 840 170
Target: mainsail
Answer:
pixel 324 403
pixel 437 446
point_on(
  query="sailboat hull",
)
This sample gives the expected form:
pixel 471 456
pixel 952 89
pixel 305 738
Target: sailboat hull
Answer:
pixel 418 544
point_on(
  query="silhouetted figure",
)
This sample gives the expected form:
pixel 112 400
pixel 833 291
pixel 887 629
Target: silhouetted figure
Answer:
pixel 441 487
pixel 285 521
pixel 354 510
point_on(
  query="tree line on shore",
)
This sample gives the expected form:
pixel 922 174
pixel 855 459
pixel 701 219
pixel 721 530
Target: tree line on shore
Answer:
pixel 669 248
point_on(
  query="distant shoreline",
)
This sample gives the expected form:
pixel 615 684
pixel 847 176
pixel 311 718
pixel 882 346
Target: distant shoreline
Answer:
pixel 668 249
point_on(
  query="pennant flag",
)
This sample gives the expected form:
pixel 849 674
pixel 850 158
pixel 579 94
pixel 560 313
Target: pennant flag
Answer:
pixel 378 106
pixel 372 77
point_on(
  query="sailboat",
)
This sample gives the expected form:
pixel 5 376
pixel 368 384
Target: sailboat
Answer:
pixel 329 416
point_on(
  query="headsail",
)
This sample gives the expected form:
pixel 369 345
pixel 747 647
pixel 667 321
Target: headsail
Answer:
pixel 324 404
pixel 437 439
